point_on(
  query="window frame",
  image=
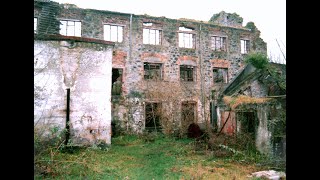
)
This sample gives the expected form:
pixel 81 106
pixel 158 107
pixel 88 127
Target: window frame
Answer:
pixel 144 41
pixel 225 75
pixel 222 46
pixel 118 38
pixel 67 30
pixel 157 116
pixel 147 72
pixel 244 46
pixel 186 37
pixel 186 73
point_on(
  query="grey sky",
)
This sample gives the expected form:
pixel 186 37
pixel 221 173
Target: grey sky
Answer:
pixel 269 16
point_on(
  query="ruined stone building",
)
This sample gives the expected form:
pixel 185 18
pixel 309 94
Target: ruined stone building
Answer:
pixel 94 68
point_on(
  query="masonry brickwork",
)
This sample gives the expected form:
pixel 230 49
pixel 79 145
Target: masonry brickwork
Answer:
pixel 131 54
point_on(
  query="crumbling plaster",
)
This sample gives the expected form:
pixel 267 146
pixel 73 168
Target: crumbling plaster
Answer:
pixel 85 69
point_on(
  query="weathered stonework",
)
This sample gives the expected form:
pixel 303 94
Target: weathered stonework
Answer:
pixel 131 54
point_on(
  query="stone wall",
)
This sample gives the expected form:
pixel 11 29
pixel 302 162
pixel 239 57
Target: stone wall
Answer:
pixel 85 69
pixel 131 53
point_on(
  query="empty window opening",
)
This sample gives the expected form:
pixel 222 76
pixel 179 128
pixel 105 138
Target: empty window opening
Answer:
pixel 70 28
pixel 220 75
pixel 185 29
pixel 213 116
pixel 151 36
pixel 153 71
pixel 187 114
pixel 218 43
pixel 187 73
pixel 147 24
pixel 113 33
pixel 35 20
pixel 245 46
pixel 248 122
pixel 152 116
pixel 116 81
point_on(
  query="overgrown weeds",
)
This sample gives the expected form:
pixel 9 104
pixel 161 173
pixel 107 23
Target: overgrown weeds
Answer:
pixel 241 148
pixel 151 156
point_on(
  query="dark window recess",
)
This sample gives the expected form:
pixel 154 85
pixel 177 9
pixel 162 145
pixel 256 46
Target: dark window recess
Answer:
pixel 220 75
pixel 188 112
pixel 248 121
pixel 152 71
pixel 186 73
pixel 153 114
pixel 213 116
pixel 116 81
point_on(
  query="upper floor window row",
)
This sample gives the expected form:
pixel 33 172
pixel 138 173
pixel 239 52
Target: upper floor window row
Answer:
pixel 150 36
pixel 70 28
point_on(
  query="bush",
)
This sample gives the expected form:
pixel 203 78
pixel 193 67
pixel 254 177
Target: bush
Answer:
pixel 47 143
pixel 258 60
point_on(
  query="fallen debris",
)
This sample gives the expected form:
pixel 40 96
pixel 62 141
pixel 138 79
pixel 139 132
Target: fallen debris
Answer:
pixel 271 174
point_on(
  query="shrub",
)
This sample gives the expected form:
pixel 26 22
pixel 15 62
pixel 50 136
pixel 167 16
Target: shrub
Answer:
pixel 258 60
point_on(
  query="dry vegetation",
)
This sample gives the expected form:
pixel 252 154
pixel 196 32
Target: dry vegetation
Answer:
pixel 234 102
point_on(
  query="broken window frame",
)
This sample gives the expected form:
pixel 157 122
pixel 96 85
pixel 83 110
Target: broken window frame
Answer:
pixel 222 75
pixel 113 32
pixel 154 122
pixel 187 73
pixel 244 46
pixel 186 40
pixel 219 43
pixel 186 37
pixel 152 36
pixel 152 71
pixel 35 27
pixel 70 27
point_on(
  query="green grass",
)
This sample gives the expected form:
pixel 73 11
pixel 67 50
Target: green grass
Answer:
pixel 133 157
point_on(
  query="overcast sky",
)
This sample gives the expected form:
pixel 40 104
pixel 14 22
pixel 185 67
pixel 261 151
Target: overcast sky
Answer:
pixel 269 16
